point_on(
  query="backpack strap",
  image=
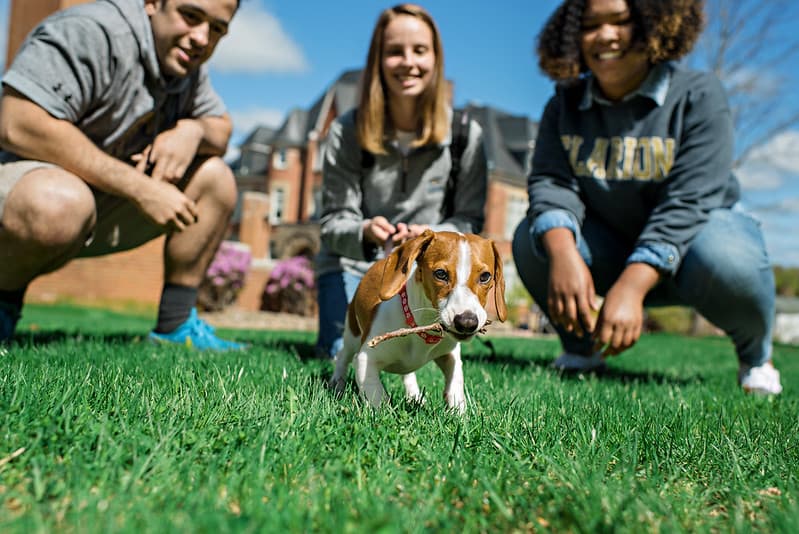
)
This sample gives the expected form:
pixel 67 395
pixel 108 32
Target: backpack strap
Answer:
pixel 460 139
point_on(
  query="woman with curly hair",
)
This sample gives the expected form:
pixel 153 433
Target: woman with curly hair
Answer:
pixel 632 194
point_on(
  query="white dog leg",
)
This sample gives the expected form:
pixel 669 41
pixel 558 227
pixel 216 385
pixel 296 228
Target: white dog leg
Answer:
pixel 338 380
pixel 412 391
pixel 367 375
pixel 452 368
pixel 343 361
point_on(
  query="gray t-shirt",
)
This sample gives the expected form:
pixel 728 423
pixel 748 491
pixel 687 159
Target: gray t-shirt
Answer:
pixel 95 66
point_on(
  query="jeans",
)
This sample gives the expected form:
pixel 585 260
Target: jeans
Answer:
pixel 334 292
pixel 725 275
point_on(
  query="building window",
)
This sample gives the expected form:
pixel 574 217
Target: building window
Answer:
pixel 280 159
pixel 517 210
pixel 277 205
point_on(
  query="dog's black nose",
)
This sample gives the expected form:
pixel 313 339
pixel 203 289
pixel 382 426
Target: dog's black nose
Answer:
pixel 465 322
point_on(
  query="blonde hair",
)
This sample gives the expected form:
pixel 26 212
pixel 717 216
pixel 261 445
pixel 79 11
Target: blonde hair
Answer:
pixel 433 121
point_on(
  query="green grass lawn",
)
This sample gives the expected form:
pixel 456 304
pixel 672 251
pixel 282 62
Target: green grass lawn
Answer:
pixel 102 432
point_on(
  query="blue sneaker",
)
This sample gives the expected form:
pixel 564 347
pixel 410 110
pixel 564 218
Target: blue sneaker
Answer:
pixel 9 315
pixel 196 334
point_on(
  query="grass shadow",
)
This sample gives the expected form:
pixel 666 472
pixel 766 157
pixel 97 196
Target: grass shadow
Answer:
pixel 630 377
pixel 51 337
pixel 506 353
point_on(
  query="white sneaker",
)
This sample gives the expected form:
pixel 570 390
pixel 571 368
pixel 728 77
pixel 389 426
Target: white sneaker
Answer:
pixel 761 380
pixel 576 362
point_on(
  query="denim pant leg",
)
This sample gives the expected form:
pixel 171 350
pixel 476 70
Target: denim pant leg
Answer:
pixel 726 275
pixel 600 249
pixel 334 291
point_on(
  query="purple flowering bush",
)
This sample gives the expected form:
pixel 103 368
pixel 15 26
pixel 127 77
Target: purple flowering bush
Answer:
pixel 225 276
pixel 291 287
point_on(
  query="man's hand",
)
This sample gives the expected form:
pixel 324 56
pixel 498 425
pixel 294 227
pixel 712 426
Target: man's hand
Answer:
pixel 172 152
pixel 571 299
pixel 621 318
pixel 166 205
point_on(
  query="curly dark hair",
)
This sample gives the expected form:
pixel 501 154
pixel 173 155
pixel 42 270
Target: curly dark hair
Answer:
pixel 667 29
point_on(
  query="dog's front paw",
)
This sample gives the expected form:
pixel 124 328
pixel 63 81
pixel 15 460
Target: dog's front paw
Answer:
pixel 336 384
pixel 456 401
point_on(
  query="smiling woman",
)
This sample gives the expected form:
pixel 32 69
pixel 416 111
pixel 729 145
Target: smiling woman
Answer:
pixel 632 194
pixel 662 31
pixel 387 164
pixel 404 71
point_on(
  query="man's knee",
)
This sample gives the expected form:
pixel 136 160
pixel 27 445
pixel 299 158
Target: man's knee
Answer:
pixel 214 179
pixel 51 207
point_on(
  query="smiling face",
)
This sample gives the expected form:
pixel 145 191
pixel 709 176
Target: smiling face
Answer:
pixel 187 31
pixel 408 60
pixel 608 48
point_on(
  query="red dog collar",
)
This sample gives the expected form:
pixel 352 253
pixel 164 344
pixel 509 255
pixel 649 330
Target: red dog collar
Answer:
pixel 430 339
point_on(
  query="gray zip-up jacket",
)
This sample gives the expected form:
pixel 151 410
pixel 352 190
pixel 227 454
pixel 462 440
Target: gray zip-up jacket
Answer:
pixel 95 65
pixel 651 167
pixel 407 189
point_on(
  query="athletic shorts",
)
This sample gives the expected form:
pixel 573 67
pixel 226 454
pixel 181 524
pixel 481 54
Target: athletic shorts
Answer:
pixel 120 225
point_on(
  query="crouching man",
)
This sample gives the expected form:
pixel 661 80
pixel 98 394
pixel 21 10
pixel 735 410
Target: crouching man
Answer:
pixel 112 135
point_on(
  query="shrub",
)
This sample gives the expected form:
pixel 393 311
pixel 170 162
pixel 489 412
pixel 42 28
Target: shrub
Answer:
pixel 225 276
pixel 291 287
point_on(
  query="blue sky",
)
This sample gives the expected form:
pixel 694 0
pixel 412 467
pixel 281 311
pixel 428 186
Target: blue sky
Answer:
pixel 280 55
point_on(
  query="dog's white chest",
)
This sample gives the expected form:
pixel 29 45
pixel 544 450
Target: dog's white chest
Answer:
pixel 407 354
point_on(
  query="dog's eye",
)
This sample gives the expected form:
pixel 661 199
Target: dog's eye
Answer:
pixel 441 274
pixel 485 277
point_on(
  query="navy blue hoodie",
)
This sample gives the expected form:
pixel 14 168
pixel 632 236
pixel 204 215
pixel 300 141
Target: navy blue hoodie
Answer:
pixel 651 166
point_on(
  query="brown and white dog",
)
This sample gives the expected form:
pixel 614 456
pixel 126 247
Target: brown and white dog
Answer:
pixel 442 277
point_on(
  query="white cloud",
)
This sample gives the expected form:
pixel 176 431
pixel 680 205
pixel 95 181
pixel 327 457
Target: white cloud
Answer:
pixel 244 120
pixel 759 175
pixel 781 151
pixel 772 164
pixel 790 205
pixel 257 43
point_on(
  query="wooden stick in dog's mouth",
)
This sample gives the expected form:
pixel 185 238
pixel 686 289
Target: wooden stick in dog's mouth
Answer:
pixel 400 332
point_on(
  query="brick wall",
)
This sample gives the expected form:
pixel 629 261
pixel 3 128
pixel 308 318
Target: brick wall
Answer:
pixel 133 276
pixel 25 15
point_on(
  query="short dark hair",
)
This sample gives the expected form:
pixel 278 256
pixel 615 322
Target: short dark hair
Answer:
pixel 667 30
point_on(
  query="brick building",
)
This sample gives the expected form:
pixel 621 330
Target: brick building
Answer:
pixel 279 178
pixel 289 161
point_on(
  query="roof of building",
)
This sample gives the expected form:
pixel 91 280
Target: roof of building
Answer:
pixel 508 138
pixel 508 141
pixel 294 130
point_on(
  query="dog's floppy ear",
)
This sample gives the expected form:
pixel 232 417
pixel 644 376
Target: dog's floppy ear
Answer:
pixel 398 264
pixel 499 286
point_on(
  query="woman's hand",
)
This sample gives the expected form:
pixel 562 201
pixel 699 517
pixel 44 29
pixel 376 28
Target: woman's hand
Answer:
pixel 408 231
pixel 377 230
pixel 571 300
pixel 621 318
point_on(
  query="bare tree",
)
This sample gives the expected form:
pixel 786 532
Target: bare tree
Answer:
pixel 749 44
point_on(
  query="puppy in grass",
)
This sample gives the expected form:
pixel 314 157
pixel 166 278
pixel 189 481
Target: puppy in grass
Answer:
pixel 440 279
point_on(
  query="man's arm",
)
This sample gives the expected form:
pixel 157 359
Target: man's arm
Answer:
pixel 30 132
pixel 173 150
pixel 216 133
